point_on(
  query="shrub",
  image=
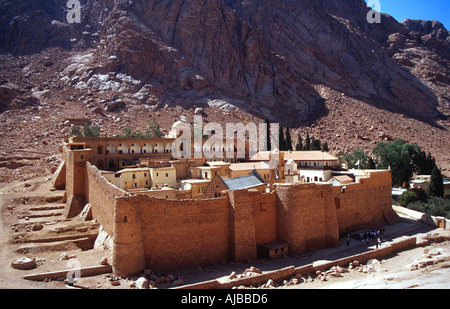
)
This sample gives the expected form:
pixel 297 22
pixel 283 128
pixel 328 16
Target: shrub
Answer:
pixel 436 206
pixel 407 198
pixel 418 206
pixel 439 207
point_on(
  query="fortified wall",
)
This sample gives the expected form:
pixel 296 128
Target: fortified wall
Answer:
pixel 154 233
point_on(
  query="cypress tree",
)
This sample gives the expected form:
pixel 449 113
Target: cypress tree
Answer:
pixel 299 146
pixel 315 144
pixel 430 164
pixel 268 143
pixel 288 138
pixel 436 183
pixel 371 164
pixel 307 142
pixel 281 139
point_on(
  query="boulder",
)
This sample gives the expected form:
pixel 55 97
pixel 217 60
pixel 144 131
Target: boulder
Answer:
pixel 97 110
pixel 142 283
pixel 111 106
pixel 24 263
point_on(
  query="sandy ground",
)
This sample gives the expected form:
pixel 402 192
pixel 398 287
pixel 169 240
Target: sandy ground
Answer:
pixel 395 273
pixel 391 273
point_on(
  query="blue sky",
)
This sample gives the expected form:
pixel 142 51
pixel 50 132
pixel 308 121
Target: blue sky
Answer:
pixel 418 9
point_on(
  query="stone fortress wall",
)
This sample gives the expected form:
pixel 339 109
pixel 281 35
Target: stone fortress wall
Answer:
pixel 160 234
pixel 157 233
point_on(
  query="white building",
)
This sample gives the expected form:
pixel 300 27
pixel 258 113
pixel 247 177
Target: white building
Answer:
pixel 304 166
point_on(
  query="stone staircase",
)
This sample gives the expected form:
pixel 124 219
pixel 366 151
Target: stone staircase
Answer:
pixel 40 225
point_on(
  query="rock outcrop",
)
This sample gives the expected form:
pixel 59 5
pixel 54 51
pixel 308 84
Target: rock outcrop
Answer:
pixel 264 57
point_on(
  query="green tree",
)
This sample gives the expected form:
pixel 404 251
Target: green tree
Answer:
pixel 91 131
pixel 398 156
pixel 430 164
pixel 154 130
pixel 325 147
pixel 76 131
pixel 128 131
pixel 406 198
pixel 299 146
pixel 356 155
pixel 315 144
pixel 307 142
pixel 436 183
pixel 371 164
pixel 268 139
pixel 288 138
pixel 420 162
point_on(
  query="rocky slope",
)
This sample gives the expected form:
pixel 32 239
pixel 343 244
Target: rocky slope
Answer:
pixel 318 65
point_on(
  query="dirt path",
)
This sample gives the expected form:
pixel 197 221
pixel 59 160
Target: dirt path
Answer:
pixel 396 273
pixel 25 206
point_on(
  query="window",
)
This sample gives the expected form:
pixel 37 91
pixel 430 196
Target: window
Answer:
pixel 134 176
pixel 337 203
pixel 99 150
pixel 167 175
pixel 135 185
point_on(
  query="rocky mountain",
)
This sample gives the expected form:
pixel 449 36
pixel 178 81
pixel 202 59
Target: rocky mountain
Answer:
pixel 291 61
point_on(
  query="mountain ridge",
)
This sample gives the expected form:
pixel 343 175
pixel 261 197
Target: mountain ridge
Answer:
pixel 290 61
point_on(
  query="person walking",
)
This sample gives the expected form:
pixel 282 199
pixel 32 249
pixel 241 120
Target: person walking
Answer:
pixel 348 240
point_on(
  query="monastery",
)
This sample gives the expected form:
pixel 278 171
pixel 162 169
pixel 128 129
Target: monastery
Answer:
pixel 159 212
